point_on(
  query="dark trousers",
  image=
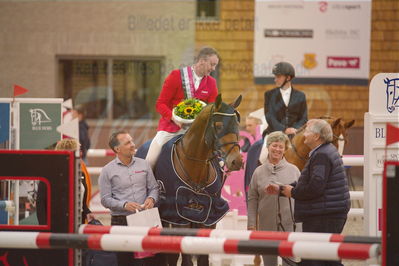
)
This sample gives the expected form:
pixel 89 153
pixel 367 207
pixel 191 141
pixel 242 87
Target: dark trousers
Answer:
pixel 323 225
pixel 124 258
pixel 127 258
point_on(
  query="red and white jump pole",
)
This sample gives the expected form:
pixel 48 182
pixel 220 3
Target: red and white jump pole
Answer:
pixel 190 245
pixel 230 234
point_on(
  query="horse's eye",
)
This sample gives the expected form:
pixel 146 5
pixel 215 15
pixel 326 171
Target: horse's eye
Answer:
pixel 218 126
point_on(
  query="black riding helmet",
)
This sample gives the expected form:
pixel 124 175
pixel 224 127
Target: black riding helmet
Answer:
pixel 284 68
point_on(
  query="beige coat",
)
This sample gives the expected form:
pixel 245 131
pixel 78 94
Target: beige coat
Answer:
pixel 265 205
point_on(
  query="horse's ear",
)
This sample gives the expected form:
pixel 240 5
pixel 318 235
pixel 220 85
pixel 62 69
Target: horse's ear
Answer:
pixel 218 101
pixel 349 124
pixel 336 123
pixel 237 102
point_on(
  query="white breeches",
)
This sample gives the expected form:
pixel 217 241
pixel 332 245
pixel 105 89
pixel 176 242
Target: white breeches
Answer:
pixel 156 145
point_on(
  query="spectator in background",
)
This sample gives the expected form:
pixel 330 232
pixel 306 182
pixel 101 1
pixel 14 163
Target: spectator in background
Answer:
pixel 78 112
pixel 321 194
pixel 252 127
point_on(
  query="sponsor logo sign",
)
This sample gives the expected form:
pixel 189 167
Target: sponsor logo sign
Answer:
pixel 38 125
pixel 392 93
pixel 288 33
pixel 342 34
pixel 343 62
pixel 309 61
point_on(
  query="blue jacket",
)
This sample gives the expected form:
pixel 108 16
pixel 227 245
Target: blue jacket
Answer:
pixel 280 117
pixel 252 163
pixel 322 189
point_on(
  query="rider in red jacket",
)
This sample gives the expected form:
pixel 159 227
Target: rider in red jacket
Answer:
pixel 189 82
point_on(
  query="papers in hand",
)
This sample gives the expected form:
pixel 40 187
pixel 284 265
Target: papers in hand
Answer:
pixel 149 217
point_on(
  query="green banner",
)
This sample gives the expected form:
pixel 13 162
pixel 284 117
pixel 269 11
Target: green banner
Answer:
pixel 38 125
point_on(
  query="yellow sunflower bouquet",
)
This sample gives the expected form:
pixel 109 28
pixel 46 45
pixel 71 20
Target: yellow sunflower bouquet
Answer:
pixel 186 111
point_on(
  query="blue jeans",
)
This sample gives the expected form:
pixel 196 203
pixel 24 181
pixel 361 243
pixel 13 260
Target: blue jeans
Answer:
pixel 323 225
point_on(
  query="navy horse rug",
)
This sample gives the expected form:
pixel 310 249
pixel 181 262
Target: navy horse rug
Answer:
pixel 182 204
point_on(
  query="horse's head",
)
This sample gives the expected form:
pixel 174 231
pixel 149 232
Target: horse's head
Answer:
pixel 222 132
pixel 340 135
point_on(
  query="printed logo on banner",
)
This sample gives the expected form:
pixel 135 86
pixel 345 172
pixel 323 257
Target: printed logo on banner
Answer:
pixel 309 61
pixel 392 94
pixel 288 33
pixel 39 116
pixel 286 6
pixel 347 7
pixel 323 6
pixel 342 34
pixel 37 124
pixel 343 62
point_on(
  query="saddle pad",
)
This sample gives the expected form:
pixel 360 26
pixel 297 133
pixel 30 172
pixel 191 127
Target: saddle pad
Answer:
pixel 192 205
pixel 177 200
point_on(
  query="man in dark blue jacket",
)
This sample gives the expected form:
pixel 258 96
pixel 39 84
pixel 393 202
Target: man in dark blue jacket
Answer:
pixel 285 107
pixel 321 194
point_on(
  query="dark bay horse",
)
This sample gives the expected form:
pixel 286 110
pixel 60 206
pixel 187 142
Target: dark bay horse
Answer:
pixel 190 174
pixel 298 153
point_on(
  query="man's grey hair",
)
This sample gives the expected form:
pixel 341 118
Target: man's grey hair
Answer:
pixel 113 139
pixel 205 52
pixel 321 127
pixel 278 136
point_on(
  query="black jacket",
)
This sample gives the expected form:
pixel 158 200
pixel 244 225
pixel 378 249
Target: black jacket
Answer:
pixel 278 116
pixel 322 189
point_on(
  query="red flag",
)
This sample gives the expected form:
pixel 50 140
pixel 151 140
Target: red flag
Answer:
pixel 392 134
pixel 18 90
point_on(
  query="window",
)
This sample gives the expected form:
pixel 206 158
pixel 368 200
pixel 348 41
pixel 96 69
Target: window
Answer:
pixel 207 9
pixel 112 88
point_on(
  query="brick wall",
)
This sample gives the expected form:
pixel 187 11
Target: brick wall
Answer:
pixel 232 35
pixel 384 37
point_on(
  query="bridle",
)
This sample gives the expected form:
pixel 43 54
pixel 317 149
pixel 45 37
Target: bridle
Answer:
pixel 230 119
pixel 215 139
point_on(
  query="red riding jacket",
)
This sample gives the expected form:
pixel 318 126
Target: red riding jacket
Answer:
pixel 172 94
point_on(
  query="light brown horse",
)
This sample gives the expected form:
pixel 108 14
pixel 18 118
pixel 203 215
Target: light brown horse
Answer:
pixel 298 154
pixel 189 173
pixel 214 132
